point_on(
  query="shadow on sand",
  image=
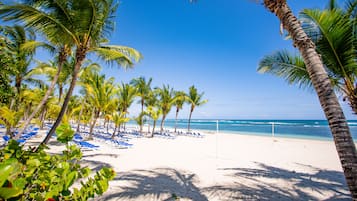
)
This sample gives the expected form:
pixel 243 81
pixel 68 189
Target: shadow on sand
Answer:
pixel 261 183
pixel 272 183
pixel 156 184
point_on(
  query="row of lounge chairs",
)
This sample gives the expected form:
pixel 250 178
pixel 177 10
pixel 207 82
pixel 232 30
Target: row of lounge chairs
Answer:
pixel 29 133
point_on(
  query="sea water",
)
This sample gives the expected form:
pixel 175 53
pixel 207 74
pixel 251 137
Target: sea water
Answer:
pixel 312 129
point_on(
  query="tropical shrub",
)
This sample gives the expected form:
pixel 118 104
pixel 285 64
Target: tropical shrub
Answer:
pixel 37 175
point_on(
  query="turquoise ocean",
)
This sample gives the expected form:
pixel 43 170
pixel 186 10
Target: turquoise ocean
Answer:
pixel 311 129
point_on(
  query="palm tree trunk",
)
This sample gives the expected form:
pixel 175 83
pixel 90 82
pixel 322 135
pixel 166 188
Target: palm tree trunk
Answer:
pixel 177 111
pixel 47 95
pixel 189 120
pixel 80 56
pixel 341 133
pixel 141 120
pixel 60 92
pixel 153 128
pixel 115 130
pixel 96 116
pixel 162 123
pixel 79 119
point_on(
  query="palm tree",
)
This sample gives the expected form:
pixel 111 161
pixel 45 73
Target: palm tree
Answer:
pixel 126 95
pixel 154 113
pixel 195 99
pixel 83 23
pixel 19 40
pixel 143 88
pixel 179 100
pixel 166 99
pixel 332 32
pixel 100 92
pixel 118 120
pixel 7 65
pixel 344 144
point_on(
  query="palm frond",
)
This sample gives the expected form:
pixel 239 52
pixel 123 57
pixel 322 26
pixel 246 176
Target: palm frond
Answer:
pixel 333 35
pixel 120 55
pixel 284 65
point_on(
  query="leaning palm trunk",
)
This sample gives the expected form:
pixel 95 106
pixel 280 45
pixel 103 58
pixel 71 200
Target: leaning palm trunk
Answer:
pixel 343 141
pixel 96 116
pixel 153 128
pixel 47 95
pixel 80 56
pixel 162 123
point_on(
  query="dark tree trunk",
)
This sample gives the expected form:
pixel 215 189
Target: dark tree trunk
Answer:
pixel 80 56
pixel 338 124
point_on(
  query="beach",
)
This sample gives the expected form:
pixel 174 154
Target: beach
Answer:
pixel 219 167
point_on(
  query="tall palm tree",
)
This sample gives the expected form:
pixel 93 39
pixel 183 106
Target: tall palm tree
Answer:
pixel 332 32
pixel 143 88
pixel 338 124
pixel 195 99
pixel 100 94
pixel 83 23
pixel 166 99
pixel 126 95
pixel 19 40
pixel 179 100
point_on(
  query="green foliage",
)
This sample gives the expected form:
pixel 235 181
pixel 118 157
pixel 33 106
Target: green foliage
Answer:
pixel 64 133
pixel 28 175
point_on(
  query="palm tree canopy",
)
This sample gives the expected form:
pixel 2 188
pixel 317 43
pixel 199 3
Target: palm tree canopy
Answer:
pixel 82 23
pixel 166 98
pixel 195 98
pixel 180 97
pixel 126 95
pixel 332 32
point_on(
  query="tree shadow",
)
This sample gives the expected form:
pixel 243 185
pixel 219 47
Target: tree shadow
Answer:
pixel 156 184
pixel 272 183
pixel 95 165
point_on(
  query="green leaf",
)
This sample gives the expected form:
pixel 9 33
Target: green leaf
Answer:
pixel 20 183
pixel 33 163
pixel 70 179
pixel 64 133
pixel 7 192
pixel 5 170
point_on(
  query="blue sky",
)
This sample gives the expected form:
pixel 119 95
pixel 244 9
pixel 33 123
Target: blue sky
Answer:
pixel 215 45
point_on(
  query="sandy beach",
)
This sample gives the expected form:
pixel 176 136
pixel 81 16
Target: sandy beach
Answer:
pixel 219 167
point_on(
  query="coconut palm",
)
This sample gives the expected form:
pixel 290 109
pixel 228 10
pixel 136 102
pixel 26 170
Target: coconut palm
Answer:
pixel 7 65
pixel 195 99
pixel 143 88
pixel 166 99
pixel 83 23
pixel 100 92
pixel 179 100
pixel 118 119
pixel 332 32
pixel 338 124
pixel 154 113
pixel 20 42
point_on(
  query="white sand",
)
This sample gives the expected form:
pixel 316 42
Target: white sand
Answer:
pixel 221 167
